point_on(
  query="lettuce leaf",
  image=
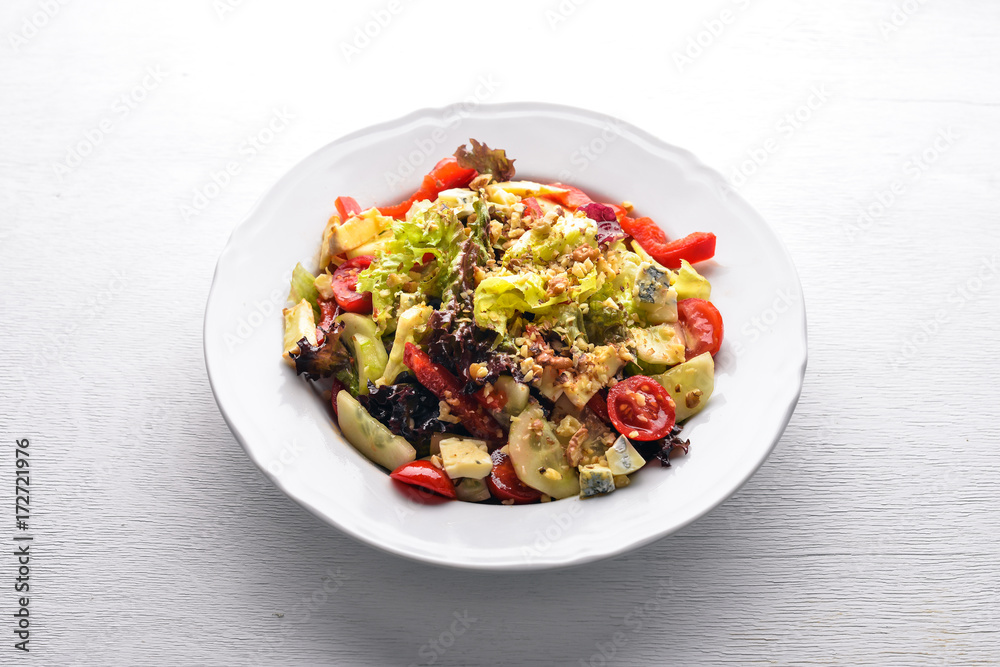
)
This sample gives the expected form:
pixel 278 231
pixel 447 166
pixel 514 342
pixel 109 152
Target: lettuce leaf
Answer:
pixel 325 359
pixel 486 161
pixel 498 298
pixel 303 286
pixel 430 234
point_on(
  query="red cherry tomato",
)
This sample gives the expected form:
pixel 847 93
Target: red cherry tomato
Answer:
pixel 504 484
pixel 599 404
pixel 347 207
pixel 335 388
pixel 425 475
pixel 641 409
pixel 345 285
pixel 702 324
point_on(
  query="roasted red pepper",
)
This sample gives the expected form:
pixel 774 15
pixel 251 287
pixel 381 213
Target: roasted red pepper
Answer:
pixel 696 247
pixel 347 207
pixel 448 388
pixel 576 198
pixel 445 175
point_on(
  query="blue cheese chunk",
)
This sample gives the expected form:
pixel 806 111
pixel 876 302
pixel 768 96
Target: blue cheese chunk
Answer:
pixel 622 457
pixel 465 457
pixel 596 479
pixel 654 296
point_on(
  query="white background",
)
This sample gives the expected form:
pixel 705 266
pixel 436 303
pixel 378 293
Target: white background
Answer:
pixel 871 535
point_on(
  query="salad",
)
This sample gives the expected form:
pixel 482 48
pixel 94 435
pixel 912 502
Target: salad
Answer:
pixel 499 340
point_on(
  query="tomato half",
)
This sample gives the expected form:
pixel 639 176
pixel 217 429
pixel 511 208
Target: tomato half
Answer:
pixel 702 324
pixel 599 404
pixel 641 409
pixel 504 484
pixel 425 475
pixel 345 285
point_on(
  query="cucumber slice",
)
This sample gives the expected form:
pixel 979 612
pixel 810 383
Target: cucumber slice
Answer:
pixel 371 358
pixel 535 451
pixel 690 384
pixel 472 490
pixel 517 394
pixel 371 437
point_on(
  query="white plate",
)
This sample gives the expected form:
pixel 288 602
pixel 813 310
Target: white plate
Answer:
pixel 287 430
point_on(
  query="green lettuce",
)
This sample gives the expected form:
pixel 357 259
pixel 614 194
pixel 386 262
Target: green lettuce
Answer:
pixel 498 298
pixel 436 233
pixel 304 287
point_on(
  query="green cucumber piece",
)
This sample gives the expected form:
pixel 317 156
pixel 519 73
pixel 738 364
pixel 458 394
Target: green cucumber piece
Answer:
pixel 371 437
pixel 534 448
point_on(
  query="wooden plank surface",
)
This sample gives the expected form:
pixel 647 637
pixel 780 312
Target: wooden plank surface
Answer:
pixel 871 536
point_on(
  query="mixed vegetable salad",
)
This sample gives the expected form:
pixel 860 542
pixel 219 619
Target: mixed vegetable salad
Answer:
pixel 501 340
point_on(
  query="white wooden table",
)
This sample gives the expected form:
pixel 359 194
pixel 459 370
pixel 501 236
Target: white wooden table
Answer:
pixel 871 536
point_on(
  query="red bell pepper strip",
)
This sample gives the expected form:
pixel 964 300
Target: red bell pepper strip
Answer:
pixel 576 198
pixel 347 207
pixel 445 175
pixel 532 209
pixel 448 388
pixel 696 247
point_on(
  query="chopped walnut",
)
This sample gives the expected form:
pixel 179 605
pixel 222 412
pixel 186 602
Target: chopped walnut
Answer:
pixel 574 447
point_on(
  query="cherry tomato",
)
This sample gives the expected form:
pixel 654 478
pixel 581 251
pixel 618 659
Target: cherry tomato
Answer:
pixel 641 409
pixel 702 324
pixel 345 285
pixel 425 475
pixel 504 484
pixel 336 386
pixel 599 404
pixel 347 207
